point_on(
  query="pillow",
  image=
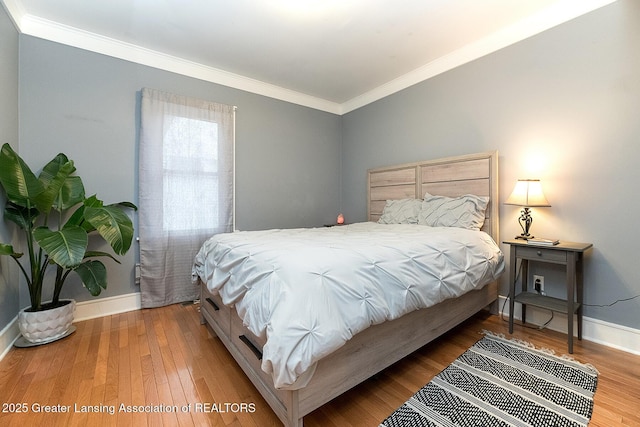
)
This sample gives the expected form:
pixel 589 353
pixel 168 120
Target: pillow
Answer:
pixel 464 212
pixel 401 211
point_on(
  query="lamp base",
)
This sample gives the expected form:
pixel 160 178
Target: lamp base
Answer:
pixel 525 222
pixel 523 237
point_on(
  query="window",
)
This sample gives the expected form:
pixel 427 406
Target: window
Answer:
pixel 185 189
pixel 190 154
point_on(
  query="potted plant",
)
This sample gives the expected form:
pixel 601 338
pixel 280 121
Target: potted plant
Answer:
pixel 57 220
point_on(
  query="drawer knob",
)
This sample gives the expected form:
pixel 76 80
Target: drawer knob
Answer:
pixel 539 253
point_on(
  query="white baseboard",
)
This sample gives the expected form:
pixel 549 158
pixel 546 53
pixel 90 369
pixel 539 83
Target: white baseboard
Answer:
pixel 85 310
pixel 8 336
pixel 598 331
pixel 91 309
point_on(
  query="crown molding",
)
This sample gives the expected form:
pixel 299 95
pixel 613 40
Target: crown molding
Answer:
pixel 70 36
pixel 550 17
pixel 15 11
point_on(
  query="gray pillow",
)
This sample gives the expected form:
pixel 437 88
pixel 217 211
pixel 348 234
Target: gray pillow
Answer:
pixel 401 211
pixel 466 211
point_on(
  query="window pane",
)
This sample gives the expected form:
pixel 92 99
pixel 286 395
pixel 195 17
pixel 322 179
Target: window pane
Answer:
pixel 190 155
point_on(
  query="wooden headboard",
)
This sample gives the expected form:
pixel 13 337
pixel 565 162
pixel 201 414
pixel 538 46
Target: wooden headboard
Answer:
pixel 452 176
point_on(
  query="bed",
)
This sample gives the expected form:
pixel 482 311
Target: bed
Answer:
pixel 246 280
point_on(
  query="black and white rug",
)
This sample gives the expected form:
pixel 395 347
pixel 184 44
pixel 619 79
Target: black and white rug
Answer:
pixel 502 382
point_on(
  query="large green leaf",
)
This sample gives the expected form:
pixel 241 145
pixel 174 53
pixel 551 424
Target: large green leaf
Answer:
pixel 17 179
pixel 22 216
pixel 91 254
pixel 8 250
pixel 51 169
pixel 126 205
pixel 113 225
pixel 72 192
pixel 93 202
pixel 94 276
pixel 78 216
pixel 61 190
pixel 65 247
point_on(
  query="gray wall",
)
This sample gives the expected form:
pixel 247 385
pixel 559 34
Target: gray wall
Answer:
pixel 87 106
pixel 562 106
pixel 8 134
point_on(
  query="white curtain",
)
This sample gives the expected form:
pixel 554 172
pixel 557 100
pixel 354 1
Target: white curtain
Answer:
pixel 185 175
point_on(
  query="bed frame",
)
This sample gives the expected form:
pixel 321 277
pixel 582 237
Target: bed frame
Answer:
pixel 379 346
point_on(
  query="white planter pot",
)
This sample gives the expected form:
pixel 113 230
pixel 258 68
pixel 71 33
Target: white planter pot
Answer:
pixel 40 327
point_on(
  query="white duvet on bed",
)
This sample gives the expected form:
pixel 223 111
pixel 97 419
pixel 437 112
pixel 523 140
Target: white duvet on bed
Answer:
pixel 308 291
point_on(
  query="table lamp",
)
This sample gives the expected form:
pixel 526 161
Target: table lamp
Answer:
pixel 528 194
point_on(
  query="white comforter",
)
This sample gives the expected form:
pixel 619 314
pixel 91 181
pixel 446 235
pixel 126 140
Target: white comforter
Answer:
pixel 308 291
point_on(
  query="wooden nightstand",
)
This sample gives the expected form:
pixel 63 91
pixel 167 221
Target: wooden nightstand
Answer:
pixel 569 254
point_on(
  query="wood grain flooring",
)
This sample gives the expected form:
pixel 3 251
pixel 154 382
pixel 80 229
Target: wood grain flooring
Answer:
pixel 160 367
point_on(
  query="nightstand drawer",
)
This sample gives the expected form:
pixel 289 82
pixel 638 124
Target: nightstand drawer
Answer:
pixel 542 254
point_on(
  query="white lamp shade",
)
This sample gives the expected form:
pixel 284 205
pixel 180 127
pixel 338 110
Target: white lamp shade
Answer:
pixel 528 192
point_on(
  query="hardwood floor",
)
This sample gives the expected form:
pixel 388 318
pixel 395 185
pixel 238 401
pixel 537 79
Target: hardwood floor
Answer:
pixel 167 366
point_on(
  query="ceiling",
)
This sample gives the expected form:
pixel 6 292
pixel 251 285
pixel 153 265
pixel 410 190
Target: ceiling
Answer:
pixel 333 55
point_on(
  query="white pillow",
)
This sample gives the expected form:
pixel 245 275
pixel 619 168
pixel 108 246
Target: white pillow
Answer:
pixel 401 211
pixel 466 211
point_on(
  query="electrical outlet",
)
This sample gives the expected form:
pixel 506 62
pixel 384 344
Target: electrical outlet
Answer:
pixel 136 274
pixel 538 284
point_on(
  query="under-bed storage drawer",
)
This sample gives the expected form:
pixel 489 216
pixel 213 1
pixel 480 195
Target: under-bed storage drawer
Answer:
pixel 216 310
pixel 250 347
pixel 247 343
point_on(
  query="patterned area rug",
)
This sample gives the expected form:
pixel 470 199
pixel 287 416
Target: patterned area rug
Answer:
pixel 502 382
